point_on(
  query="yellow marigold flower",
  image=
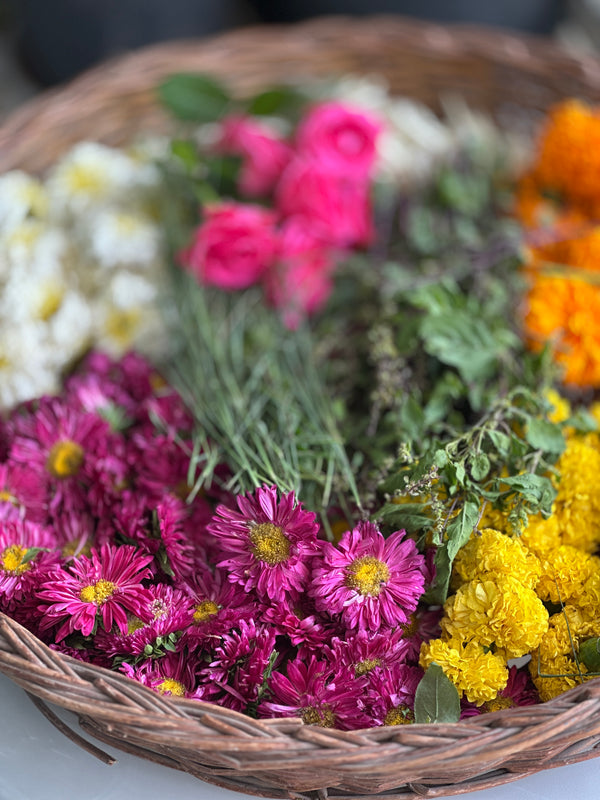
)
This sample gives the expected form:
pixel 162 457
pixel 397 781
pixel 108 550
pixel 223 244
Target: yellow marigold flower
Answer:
pixel 475 673
pixel 566 630
pixel 589 601
pixel 561 408
pixel 577 505
pixel 555 676
pixel 541 535
pixel 565 570
pixel 499 611
pixel 493 553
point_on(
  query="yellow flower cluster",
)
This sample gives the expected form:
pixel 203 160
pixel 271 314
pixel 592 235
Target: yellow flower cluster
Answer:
pixel 503 585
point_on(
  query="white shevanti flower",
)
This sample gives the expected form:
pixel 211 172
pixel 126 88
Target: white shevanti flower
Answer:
pixel 26 364
pixel 121 237
pixel 21 196
pixel 91 175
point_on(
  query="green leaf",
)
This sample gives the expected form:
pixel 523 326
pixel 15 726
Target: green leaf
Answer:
pixel 193 97
pixel 412 418
pixel 186 152
pixel 545 435
pixel 436 698
pixel 281 100
pixel 589 654
pixel 582 421
pixel 31 553
pixel 479 466
pixel 461 527
pixel 536 489
pixel 501 442
pixel 409 516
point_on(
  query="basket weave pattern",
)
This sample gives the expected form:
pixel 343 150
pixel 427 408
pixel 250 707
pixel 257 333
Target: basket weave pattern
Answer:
pixel 283 758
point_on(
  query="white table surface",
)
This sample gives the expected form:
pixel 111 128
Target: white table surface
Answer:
pixel 39 763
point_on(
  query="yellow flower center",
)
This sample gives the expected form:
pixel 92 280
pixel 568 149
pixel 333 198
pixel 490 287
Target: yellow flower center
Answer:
pixel 65 459
pixel 98 592
pixel 399 716
pixel 85 179
pixel 270 544
pixel 7 497
pixel 411 627
pixel 11 559
pixel 323 717
pixel 366 575
pixel 122 325
pixel 205 610
pixel 50 302
pixel 134 624
pixel 498 703
pixel 159 608
pixel 363 667
pixel 171 686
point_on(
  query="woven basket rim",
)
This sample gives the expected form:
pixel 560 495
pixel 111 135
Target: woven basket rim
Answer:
pixel 475 753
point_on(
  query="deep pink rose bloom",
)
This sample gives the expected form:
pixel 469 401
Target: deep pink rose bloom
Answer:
pixel 334 207
pixel 264 154
pixel 342 139
pixel 233 247
pixel 302 280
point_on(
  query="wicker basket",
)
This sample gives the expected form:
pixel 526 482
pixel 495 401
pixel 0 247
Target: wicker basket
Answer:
pixel 282 757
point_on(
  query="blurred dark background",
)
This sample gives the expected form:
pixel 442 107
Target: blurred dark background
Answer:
pixel 53 40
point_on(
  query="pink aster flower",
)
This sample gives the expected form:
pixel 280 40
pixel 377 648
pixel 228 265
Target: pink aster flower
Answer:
pixel 217 606
pixel 23 490
pixel 390 696
pixel 423 625
pixel 300 628
pixel 60 445
pixel 519 691
pixel 238 667
pixel 318 694
pixel 173 675
pixel 170 611
pixel 26 551
pixel 102 588
pixel 267 544
pixel 370 581
pixel 363 652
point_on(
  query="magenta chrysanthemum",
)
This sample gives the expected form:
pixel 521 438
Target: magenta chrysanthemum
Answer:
pixel 102 588
pixel 370 581
pixel 23 552
pixel 268 544
pixel 390 697
pixel 317 693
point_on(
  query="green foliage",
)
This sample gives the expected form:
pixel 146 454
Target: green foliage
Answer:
pixel 194 98
pixel 589 654
pixel 436 698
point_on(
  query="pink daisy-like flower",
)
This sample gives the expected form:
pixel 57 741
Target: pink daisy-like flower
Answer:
pixel 22 489
pixel 390 696
pixel 171 612
pixel 173 675
pixel 317 693
pixel 101 588
pixel 237 670
pixel 423 625
pixel 25 553
pixel 363 652
pixel 268 544
pixel 217 606
pixel 370 581
pixel 301 629
pixel 59 445
pixel 519 691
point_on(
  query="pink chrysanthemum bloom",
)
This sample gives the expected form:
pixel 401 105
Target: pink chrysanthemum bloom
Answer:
pixel 268 544
pixel 22 489
pixel 173 675
pixel 390 696
pixel 363 652
pixel 21 562
pixel 238 666
pixel 317 693
pixel 519 691
pixel 59 445
pixel 159 465
pixel 102 588
pixel 423 625
pixel 217 606
pixel 74 534
pixel 171 612
pixel 300 628
pixel 370 581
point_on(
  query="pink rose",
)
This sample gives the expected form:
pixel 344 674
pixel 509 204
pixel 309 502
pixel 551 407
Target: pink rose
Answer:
pixel 301 282
pixel 336 208
pixel 342 139
pixel 264 155
pixel 233 247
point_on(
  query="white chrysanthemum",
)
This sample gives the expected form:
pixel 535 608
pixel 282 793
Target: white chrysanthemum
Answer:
pixel 69 330
pixel 127 317
pixel 92 175
pixel 120 237
pixel 26 364
pixel 20 196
